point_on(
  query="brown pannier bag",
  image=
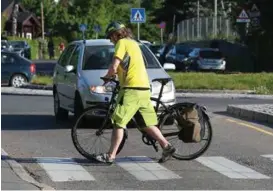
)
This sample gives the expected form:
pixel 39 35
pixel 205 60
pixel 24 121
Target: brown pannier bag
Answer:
pixel 189 124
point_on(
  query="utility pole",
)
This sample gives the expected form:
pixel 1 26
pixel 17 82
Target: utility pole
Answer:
pixel 198 18
pixel 42 19
pixel 215 17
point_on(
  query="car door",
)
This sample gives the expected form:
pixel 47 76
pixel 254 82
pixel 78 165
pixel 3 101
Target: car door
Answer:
pixel 8 62
pixel 71 77
pixel 61 82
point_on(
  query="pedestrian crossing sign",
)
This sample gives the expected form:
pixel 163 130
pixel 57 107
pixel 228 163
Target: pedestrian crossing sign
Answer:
pixel 243 17
pixel 138 15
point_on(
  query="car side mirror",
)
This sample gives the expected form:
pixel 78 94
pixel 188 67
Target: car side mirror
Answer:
pixel 169 66
pixel 69 68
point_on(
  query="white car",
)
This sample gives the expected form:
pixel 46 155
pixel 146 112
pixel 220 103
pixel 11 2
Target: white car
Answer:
pixel 76 78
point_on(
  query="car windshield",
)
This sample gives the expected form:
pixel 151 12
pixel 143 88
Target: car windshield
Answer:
pixel 211 54
pixel 100 57
pixel 17 44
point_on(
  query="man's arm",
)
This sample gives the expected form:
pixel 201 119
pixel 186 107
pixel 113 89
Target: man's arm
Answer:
pixel 113 68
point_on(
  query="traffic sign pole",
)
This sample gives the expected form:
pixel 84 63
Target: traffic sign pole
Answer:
pixel 83 28
pixel 162 25
pixel 138 31
pixel 138 16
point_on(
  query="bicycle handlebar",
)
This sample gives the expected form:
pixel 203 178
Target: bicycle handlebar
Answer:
pixel 109 80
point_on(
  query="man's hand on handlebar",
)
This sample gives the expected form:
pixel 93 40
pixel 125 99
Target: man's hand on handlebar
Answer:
pixel 107 78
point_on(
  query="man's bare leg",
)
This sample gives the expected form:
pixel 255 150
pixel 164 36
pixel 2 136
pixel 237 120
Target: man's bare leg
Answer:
pixel 117 135
pixel 168 149
pixel 157 135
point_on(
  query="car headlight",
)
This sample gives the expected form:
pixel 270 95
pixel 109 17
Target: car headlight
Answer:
pixel 156 86
pixel 102 89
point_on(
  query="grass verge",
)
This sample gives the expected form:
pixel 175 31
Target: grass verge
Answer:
pixel 42 80
pixel 261 83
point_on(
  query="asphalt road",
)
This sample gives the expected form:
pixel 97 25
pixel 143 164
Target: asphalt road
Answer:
pixel 235 159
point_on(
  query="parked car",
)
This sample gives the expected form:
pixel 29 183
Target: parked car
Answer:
pixel 76 78
pixel 21 47
pixel 206 59
pixel 156 49
pixel 16 70
pixel 5 45
pixel 177 55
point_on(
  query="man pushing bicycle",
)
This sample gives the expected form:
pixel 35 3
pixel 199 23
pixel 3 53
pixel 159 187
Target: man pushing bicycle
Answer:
pixel 134 95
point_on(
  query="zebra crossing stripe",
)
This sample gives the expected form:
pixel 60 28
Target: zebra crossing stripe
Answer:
pixel 230 168
pixel 144 168
pixel 64 169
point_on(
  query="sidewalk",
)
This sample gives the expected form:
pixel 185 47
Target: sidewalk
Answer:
pixel 10 181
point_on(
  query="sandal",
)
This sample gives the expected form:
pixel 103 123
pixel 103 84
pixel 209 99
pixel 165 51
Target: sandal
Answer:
pixel 104 158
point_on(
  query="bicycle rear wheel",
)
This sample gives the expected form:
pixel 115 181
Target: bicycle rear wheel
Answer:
pixel 98 138
pixel 171 134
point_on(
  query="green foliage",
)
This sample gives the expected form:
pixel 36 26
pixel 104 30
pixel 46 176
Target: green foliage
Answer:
pixel 63 19
pixel 3 22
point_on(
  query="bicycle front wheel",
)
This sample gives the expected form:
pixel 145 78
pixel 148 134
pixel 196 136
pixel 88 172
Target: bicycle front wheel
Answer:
pixel 92 132
pixel 186 151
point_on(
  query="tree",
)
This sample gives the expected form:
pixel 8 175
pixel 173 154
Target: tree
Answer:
pixel 3 22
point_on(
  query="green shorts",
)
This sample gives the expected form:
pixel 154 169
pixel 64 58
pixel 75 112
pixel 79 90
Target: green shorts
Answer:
pixel 134 103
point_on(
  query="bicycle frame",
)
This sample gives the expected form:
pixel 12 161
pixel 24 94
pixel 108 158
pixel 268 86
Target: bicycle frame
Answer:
pixel 111 106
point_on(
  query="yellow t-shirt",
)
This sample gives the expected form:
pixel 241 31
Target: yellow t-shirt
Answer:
pixel 133 72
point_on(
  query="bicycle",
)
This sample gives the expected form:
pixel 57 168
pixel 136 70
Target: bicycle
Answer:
pixel 169 112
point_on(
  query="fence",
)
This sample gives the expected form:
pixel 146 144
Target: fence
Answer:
pixel 188 30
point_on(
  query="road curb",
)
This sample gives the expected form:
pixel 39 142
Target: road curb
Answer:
pixel 215 91
pixel 19 170
pixel 224 95
pixel 252 112
pixel 23 91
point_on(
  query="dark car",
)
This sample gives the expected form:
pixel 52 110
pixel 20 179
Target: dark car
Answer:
pixel 16 70
pixel 6 46
pixel 177 55
pixel 206 59
pixel 156 49
pixel 21 47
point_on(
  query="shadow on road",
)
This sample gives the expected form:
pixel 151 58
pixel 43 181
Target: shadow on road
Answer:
pixel 224 113
pixel 33 122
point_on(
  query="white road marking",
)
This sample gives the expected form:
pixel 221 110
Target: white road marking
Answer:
pixel 143 168
pixel 230 168
pixel 268 156
pixel 64 169
pixel 22 173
